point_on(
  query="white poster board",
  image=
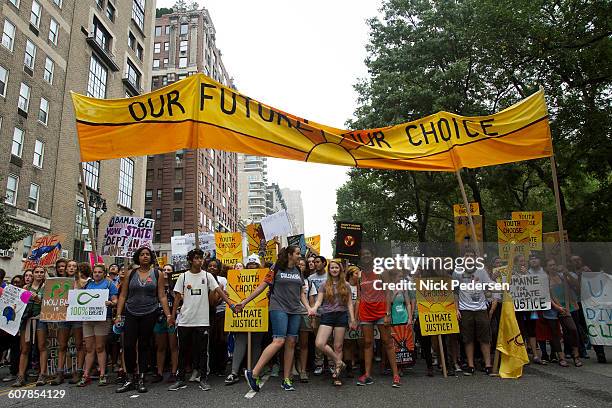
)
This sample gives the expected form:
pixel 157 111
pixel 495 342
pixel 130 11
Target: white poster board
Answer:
pixel 530 292
pixel 87 305
pixel 596 294
pixel 276 225
pixel 13 302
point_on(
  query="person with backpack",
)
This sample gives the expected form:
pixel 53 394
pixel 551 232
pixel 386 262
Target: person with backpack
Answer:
pixel 287 304
pixel 95 333
pixel 139 298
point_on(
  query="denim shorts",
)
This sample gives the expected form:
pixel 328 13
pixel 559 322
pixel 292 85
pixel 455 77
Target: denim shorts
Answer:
pixel 284 324
pixel 334 319
pixel 69 325
pixel 378 322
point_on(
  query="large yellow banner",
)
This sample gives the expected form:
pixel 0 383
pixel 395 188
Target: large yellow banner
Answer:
pixel 254 317
pixel 199 112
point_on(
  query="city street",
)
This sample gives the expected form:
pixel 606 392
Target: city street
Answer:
pixel 549 386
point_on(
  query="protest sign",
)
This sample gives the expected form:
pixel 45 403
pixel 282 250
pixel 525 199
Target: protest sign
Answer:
pixel 356 334
pixel 258 245
pixel 229 247
pixel 534 219
pixel 124 235
pixel 552 246
pixel 298 241
pixel 460 211
pixel 93 260
pixel 513 232
pixel 182 244
pixel 55 299
pixel 13 302
pixel 53 351
pixel 530 292
pixel 348 239
pixel 254 317
pixel 403 343
pixel 45 251
pixel 87 305
pixel 596 294
pixel 463 233
pixel 315 243
pixel 436 305
pixel 276 225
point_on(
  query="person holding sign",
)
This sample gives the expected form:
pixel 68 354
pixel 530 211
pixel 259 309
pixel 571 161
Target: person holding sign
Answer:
pixel 140 295
pixel 334 298
pixel 33 330
pixel 95 333
pixel 287 304
pixel 193 289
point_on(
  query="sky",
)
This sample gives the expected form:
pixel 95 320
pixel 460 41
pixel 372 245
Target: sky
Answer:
pixel 302 58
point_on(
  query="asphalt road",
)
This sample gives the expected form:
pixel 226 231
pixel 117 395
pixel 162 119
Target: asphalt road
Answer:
pixel 549 386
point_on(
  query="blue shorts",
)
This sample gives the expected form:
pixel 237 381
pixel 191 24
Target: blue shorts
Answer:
pixel 284 324
pixel 334 319
pixel 378 322
pixel 163 328
pixel 69 325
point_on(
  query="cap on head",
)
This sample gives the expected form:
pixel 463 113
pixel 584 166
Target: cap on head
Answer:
pixel 253 258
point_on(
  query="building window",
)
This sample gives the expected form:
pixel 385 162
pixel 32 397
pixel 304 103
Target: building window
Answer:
pixel 35 14
pixel 224 202
pixel 178 194
pixel 53 31
pixel 100 4
pixel 164 80
pixel 158 31
pixel 157 48
pixel 3 81
pixel 58 3
pixel 96 87
pixel 126 182
pixel 184 29
pixel 24 97
pixel 131 41
pixel 158 213
pixel 27 246
pixel 159 193
pixel 177 233
pixel 39 154
pixel 155 64
pixel 101 35
pixel 30 55
pixel 92 174
pixel 165 65
pixel 12 184
pixel 8 35
pixel 15 3
pixel 177 214
pixel 182 63
pixel 17 146
pixel 149 196
pixel 139 52
pixel 138 7
pixel 43 112
pixel 148 213
pixel 178 174
pixel 167 31
pixel 110 12
pixel 211 170
pixel 133 75
pixel 49 68
pixel 33 198
pixel 166 46
pixel 157 235
pixel 183 46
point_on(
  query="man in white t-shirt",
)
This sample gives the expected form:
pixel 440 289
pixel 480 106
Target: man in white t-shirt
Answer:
pixel 192 289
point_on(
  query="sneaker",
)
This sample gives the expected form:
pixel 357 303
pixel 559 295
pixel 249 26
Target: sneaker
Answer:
pixel 84 381
pixel 195 376
pixel 232 379
pixel 253 383
pixel 178 385
pixel 303 377
pixel 489 371
pixel 9 378
pixel 275 371
pixel 468 371
pixel 42 380
pixel 287 385
pixel 363 380
pixel 396 382
pixel 76 377
pixel 318 370
pixel 204 386
pixel 102 381
pixel 20 382
pixel 58 379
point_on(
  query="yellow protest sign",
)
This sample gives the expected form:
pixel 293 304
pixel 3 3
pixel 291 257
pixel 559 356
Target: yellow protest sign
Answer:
pixel 240 284
pixel 513 232
pixel 552 246
pixel 198 112
pixel 229 247
pixel 258 245
pixel 436 305
pixel 535 227
pixel 463 232
pixel 460 211
pixel 315 243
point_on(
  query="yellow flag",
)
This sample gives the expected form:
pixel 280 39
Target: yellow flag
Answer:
pixel 199 112
pixel 510 342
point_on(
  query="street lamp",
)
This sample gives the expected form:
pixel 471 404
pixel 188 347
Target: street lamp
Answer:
pixel 99 205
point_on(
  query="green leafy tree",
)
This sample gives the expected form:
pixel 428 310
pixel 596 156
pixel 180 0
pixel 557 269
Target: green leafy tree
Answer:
pixel 9 232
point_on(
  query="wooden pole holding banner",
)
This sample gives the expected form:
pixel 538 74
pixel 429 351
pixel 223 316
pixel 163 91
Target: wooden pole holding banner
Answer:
pixel 249 352
pixel 468 211
pixel 442 356
pixel 91 232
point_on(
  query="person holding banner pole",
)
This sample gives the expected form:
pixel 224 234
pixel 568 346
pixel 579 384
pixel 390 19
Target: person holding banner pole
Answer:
pixel 287 304
pixel 95 333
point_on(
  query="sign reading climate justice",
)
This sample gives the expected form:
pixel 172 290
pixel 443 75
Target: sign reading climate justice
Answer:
pixel 198 112
pixel 254 317
pixel 530 292
pixel 436 305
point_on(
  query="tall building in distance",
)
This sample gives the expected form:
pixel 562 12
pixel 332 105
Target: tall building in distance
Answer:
pixel 186 189
pixel 105 46
pixel 274 199
pixel 295 208
pixel 252 190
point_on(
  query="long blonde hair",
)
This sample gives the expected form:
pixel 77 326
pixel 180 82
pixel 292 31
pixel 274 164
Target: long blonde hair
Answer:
pixel 342 287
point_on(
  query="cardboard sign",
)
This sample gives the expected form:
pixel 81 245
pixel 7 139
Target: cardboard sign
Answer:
pixel 182 244
pixel 460 211
pixel 254 317
pixel 534 219
pixel 124 235
pixel 596 291
pixel 552 246
pixel 348 239
pixel 276 225
pixel 530 292
pixel 351 334
pixel 437 312
pixel 513 232
pixel 45 251
pixel 315 243
pixel 403 343
pixel 229 247
pixel 53 351
pixel 87 305
pixel 463 232
pixel 55 299
pixel 266 250
pixel 13 302
pixel 298 241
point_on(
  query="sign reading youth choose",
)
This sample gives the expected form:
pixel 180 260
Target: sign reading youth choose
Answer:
pixel 124 235
pixel 254 317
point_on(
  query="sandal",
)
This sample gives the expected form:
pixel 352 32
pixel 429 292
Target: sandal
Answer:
pixel 339 367
pixel 577 362
pixel 337 382
pixel 539 361
pixel 563 363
